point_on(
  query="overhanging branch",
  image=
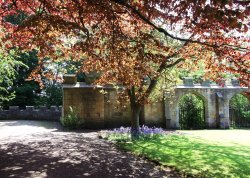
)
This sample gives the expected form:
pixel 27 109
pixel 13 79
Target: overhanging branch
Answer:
pixel 165 32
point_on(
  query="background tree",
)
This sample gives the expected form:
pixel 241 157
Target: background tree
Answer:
pixel 28 91
pixel 8 66
pixel 124 40
pixel 25 91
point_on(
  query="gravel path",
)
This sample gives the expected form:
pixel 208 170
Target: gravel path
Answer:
pixel 43 149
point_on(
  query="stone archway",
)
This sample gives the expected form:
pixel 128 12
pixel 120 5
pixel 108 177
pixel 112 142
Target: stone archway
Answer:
pixel 172 109
pixel 199 93
pixel 216 100
pixel 239 110
pixel 191 111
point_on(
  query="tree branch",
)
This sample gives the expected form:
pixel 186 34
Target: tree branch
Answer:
pixel 165 32
pixel 154 81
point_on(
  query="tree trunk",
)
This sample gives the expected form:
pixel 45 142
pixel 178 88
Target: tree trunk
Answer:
pixel 142 116
pixel 135 113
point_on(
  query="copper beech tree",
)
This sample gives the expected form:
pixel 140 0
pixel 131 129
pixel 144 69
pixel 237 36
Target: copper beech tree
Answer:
pixel 131 42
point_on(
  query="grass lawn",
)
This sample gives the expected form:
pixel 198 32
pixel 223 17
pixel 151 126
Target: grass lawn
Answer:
pixel 204 153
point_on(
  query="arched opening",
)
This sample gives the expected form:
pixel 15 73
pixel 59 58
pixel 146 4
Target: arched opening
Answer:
pixel 191 112
pixel 239 111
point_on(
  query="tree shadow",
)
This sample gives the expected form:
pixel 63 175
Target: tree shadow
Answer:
pixel 69 154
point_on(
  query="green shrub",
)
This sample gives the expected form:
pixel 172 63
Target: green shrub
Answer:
pixel 240 111
pixel 71 120
pixel 246 114
pixel 191 112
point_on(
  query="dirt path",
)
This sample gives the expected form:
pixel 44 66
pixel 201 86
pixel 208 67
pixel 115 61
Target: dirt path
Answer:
pixel 42 149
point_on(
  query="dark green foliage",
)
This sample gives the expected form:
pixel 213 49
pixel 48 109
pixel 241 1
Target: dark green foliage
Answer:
pixel 16 19
pixel 19 91
pixel 72 67
pixel 51 96
pixel 54 94
pixel 8 72
pixel 239 101
pixel 71 120
pixel 29 93
pixel 22 92
pixel 25 91
pixel 240 111
pixel 191 112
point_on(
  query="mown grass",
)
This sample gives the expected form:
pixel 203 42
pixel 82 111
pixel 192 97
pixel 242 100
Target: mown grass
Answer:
pixel 194 156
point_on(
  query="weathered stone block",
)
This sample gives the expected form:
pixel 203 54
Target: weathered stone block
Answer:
pixel 188 81
pixel 168 123
pixel 43 108
pixel 30 114
pixel 60 108
pixel 206 83
pixel 29 108
pixel 69 79
pixel 14 108
pixel 53 108
pixel 235 82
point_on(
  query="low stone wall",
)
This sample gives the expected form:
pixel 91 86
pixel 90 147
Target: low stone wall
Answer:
pixel 32 113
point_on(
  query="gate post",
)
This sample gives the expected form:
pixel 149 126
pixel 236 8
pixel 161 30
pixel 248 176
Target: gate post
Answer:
pixel 171 114
pixel 223 110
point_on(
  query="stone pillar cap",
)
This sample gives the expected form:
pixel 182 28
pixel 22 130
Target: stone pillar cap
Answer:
pixel 235 82
pixel 69 75
pixel 188 81
pixel 206 82
pixel 69 79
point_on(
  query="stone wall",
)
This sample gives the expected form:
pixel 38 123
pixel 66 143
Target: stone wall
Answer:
pixel 31 113
pixel 154 114
pixel 88 104
pixel 102 110
pixel 116 114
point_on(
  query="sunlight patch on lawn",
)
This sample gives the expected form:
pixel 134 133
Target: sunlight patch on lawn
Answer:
pixel 195 155
pixel 223 137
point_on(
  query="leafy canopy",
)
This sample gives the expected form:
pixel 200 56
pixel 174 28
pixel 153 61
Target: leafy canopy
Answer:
pixel 8 66
pixel 126 41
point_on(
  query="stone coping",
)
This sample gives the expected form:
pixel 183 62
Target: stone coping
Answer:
pixel 212 86
pixel 33 108
pixel 195 86
pixel 84 85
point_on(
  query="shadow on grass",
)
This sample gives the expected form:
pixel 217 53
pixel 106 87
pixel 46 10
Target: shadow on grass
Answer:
pixel 195 157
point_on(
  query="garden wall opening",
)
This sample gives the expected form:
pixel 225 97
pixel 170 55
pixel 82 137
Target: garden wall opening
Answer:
pixel 191 112
pixel 239 111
